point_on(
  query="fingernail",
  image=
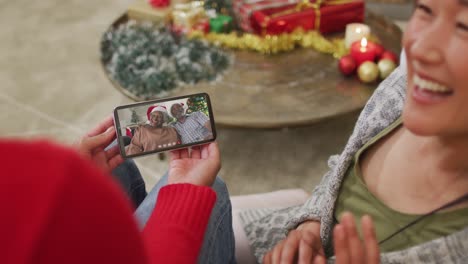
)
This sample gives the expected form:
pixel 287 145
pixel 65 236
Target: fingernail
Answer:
pixel 109 130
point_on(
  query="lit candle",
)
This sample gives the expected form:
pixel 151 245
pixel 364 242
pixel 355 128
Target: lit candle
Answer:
pixel 361 52
pixel 355 32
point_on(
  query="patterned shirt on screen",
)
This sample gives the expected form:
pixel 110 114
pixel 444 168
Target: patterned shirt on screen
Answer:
pixel 193 128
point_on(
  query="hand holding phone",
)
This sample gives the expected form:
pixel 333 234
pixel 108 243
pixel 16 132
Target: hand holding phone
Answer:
pixel 93 146
pixel 166 124
pixel 198 166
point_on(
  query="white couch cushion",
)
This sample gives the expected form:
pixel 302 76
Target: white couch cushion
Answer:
pixel 277 199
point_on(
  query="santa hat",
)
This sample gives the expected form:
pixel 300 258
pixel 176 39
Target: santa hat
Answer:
pixel 128 132
pixel 154 108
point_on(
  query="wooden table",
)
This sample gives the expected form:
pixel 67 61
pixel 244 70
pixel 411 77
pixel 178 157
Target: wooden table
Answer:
pixel 289 89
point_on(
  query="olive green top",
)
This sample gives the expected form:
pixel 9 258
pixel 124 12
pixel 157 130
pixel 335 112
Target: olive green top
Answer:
pixel 354 197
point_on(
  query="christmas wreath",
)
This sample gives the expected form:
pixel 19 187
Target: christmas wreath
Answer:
pixel 149 59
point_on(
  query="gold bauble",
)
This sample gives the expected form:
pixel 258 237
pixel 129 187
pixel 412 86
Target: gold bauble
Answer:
pixel 368 72
pixel 386 67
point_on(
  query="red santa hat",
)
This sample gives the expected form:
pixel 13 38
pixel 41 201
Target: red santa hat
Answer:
pixel 154 108
pixel 128 132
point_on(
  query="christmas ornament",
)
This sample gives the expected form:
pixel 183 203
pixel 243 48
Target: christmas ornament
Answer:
pixel 386 67
pixel 368 72
pixel 197 104
pixel 220 6
pixel 377 48
pixel 186 16
pixel 347 65
pixel 389 55
pixel 202 25
pixel 361 52
pixel 221 24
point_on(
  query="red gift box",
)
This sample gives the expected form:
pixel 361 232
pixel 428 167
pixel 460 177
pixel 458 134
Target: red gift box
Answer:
pixel 326 16
pixel 203 26
pixel 243 9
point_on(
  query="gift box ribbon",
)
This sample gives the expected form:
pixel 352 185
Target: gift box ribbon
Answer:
pixel 303 5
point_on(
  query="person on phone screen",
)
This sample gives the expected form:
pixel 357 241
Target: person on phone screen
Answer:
pixel 192 127
pixel 155 135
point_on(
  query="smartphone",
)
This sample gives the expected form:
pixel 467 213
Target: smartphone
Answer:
pixel 164 124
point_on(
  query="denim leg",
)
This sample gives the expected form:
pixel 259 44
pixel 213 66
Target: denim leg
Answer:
pixel 218 243
pixel 129 177
pixel 144 211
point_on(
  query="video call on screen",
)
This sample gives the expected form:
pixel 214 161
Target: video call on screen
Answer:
pixel 160 126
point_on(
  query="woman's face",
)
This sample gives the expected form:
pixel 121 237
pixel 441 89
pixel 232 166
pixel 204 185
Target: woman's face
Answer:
pixel 436 45
pixel 157 119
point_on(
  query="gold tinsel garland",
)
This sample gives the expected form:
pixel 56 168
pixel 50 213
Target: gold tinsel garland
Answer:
pixel 272 44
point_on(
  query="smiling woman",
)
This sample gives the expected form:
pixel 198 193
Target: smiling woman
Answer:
pixel 155 135
pixel 404 167
pixel 435 43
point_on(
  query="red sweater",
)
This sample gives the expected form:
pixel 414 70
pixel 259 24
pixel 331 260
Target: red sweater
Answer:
pixel 58 208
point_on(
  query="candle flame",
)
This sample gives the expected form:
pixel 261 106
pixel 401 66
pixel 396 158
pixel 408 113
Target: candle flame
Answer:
pixel 364 42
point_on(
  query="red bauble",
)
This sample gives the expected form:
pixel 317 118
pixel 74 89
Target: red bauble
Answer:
pixel 389 56
pixel 347 65
pixel 378 49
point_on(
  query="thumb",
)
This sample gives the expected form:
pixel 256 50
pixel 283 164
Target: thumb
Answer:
pixel 101 140
pixel 320 260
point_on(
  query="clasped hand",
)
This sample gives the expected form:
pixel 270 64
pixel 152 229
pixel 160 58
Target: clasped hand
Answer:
pixel 303 245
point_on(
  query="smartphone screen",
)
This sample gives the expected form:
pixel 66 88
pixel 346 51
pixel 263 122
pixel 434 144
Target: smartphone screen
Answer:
pixel 165 124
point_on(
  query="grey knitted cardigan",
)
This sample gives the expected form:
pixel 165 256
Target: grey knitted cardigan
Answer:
pixel 265 227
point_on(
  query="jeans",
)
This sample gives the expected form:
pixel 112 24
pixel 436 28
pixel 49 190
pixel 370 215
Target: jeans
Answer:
pixel 218 243
pixel 129 177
